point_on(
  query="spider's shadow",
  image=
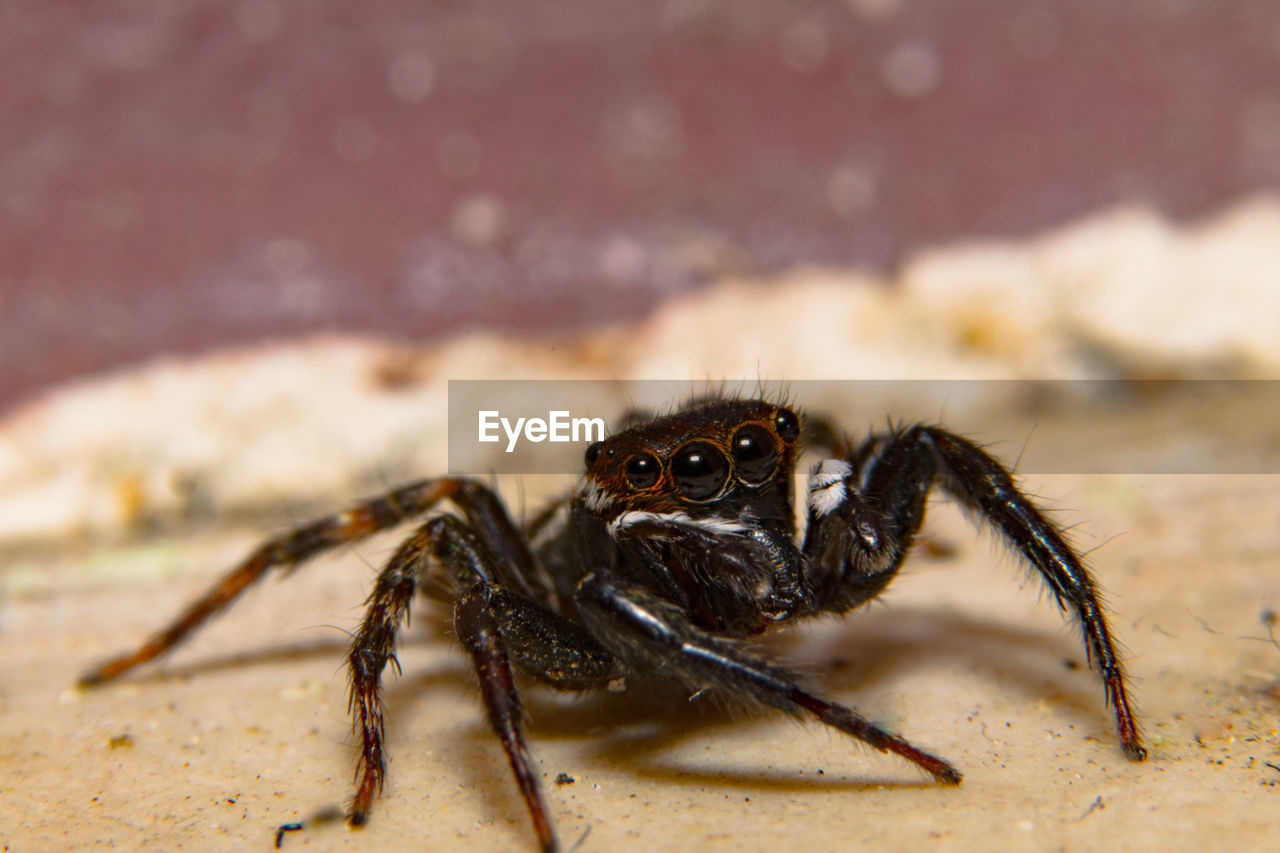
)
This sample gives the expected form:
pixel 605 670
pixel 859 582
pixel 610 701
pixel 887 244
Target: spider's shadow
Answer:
pixel 637 729
pixel 282 653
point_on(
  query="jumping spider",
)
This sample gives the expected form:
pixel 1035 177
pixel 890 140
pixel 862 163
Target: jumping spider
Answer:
pixel 679 543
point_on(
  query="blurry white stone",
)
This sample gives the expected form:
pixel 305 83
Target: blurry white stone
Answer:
pixel 262 429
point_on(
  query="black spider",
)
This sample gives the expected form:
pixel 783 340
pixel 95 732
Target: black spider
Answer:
pixel 679 542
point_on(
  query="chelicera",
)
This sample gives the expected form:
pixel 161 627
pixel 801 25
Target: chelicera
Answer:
pixel 680 542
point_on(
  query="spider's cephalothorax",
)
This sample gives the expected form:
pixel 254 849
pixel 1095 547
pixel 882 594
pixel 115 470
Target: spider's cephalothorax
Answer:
pixel 698 507
pixel 680 541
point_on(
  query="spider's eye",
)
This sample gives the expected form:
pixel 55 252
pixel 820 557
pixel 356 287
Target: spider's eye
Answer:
pixel 787 424
pixel 593 453
pixel 754 454
pixel 643 470
pixel 700 470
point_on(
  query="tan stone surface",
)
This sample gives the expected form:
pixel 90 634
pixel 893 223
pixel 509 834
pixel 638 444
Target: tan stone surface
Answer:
pixel 246 728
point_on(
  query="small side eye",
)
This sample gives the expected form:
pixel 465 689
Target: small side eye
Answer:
pixel 787 424
pixel 593 453
pixel 700 471
pixel 754 454
pixel 643 470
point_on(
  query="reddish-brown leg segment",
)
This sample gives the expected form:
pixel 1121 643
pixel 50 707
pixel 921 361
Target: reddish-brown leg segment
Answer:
pixel 288 550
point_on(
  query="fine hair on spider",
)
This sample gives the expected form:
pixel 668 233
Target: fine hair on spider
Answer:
pixel 679 544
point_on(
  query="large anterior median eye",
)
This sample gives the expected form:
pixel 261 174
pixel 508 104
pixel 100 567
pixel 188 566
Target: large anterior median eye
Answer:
pixel 754 454
pixel 700 470
pixel 643 470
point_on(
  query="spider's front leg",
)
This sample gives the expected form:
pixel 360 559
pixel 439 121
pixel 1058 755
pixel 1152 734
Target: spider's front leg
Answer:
pixel 498 626
pixel 655 637
pixel 865 510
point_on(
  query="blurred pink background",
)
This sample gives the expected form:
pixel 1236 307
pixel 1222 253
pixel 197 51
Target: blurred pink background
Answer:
pixel 176 177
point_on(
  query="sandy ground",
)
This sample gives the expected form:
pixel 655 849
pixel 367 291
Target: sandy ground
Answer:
pixel 245 729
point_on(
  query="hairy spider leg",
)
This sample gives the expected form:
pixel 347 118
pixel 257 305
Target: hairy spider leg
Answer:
pixel 495 625
pixel 486 617
pixel 654 636
pixel 877 497
pixel 291 549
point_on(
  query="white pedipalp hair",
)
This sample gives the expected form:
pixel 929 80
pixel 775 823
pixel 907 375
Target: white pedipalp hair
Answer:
pixel 827 488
